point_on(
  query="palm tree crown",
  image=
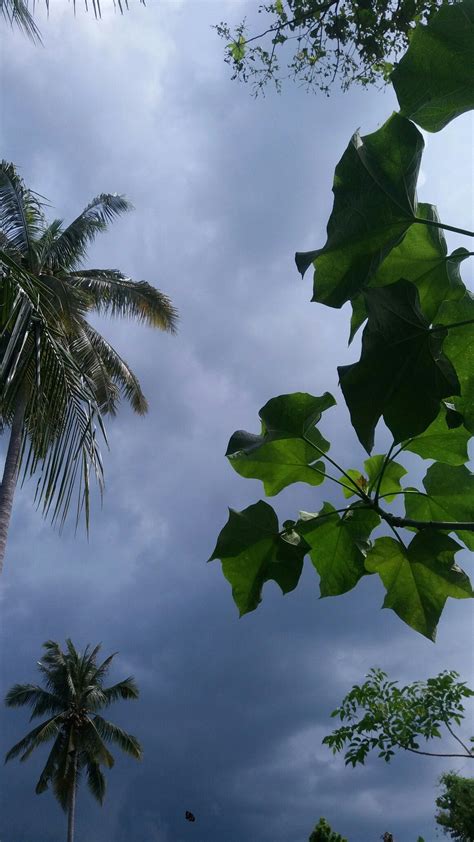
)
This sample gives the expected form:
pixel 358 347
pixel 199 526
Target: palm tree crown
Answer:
pixel 58 375
pixel 72 697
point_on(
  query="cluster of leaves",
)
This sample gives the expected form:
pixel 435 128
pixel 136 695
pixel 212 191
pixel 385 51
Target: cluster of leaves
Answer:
pixel 356 40
pixel 380 716
pixel 456 807
pixel 323 833
pixel 386 254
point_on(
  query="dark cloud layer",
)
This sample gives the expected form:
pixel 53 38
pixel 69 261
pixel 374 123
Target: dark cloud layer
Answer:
pixel 226 188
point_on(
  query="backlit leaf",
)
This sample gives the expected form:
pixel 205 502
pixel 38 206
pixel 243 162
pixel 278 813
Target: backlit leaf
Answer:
pixel 459 348
pixel 374 205
pixel 252 552
pixel 338 545
pixel 402 374
pixel 441 442
pixel 434 81
pixel 419 579
pixel 289 445
pixel 449 497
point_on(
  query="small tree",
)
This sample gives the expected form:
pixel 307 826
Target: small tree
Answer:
pixel 73 695
pixel 456 807
pixel 381 716
pixel 323 833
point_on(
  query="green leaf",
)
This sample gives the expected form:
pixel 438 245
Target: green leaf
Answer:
pixel 419 579
pixel 441 442
pixel 449 497
pixel 374 205
pixel 434 81
pixel 421 258
pixel 289 444
pixel 252 552
pixel 402 374
pixel 237 48
pixel 459 348
pixel 338 545
pixel 392 474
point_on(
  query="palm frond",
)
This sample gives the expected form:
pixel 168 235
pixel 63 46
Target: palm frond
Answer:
pixel 93 744
pixel 114 294
pixel 17 13
pixel 96 781
pixel 21 218
pixel 118 372
pixel 113 734
pixel 69 248
pixel 36 697
pixel 51 764
pixel 126 689
pixel 39 735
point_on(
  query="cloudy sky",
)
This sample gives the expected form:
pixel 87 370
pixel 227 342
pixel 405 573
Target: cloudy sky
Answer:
pixel 226 189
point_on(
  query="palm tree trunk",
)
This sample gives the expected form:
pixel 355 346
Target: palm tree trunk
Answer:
pixel 10 474
pixel 71 814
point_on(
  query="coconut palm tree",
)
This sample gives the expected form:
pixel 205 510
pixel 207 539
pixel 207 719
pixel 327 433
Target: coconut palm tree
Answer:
pixel 74 692
pixel 20 13
pixel 58 375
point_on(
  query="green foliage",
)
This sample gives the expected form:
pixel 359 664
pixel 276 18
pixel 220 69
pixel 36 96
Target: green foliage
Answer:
pixel 456 807
pixel 381 716
pixel 72 696
pixel 387 255
pixel 323 833
pixel 434 79
pixel 352 40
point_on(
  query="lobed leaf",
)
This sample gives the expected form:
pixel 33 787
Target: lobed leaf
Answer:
pixel 253 551
pixel 442 442
pixel 449 497
pixel 374 205
pixel 434 81
pixel 419 579
pixel 289 445
pixel 402 374
pixel 338 545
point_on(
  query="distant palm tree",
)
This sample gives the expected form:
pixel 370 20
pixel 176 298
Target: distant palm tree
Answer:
pixel 20 13
pixel 73 695
pixel 58 375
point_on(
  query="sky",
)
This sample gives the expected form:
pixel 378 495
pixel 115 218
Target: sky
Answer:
pixel 225 188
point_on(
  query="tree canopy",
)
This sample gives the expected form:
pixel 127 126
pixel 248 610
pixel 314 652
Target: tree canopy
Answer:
pixel 456 807
pixel 316 42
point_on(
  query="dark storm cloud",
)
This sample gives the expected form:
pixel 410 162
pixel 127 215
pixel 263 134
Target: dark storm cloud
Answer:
pixel 226 188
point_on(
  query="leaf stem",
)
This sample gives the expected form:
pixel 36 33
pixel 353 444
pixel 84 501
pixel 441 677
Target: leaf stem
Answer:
pixel 444 227
pixel 353 487
pixel 458 739
pixel 455 324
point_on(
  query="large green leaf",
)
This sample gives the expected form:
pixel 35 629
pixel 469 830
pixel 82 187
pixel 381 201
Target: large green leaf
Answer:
pixel 338 545
pixel 434 81
pixel 421 258
pixel 449 497
pixel 253 551
pixel 402 374
pixel 374 205
pixel 441 442
pixel 459 348
pixel 289 444
pixel 419 579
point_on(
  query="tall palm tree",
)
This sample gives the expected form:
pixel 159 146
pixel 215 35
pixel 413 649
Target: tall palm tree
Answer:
pixel 73 695
pixel 58 375
pixel 20 13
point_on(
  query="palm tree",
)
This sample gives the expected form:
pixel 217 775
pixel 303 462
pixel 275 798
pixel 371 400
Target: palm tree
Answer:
pixel 58 375
pixel 18 13
pixel 72 696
